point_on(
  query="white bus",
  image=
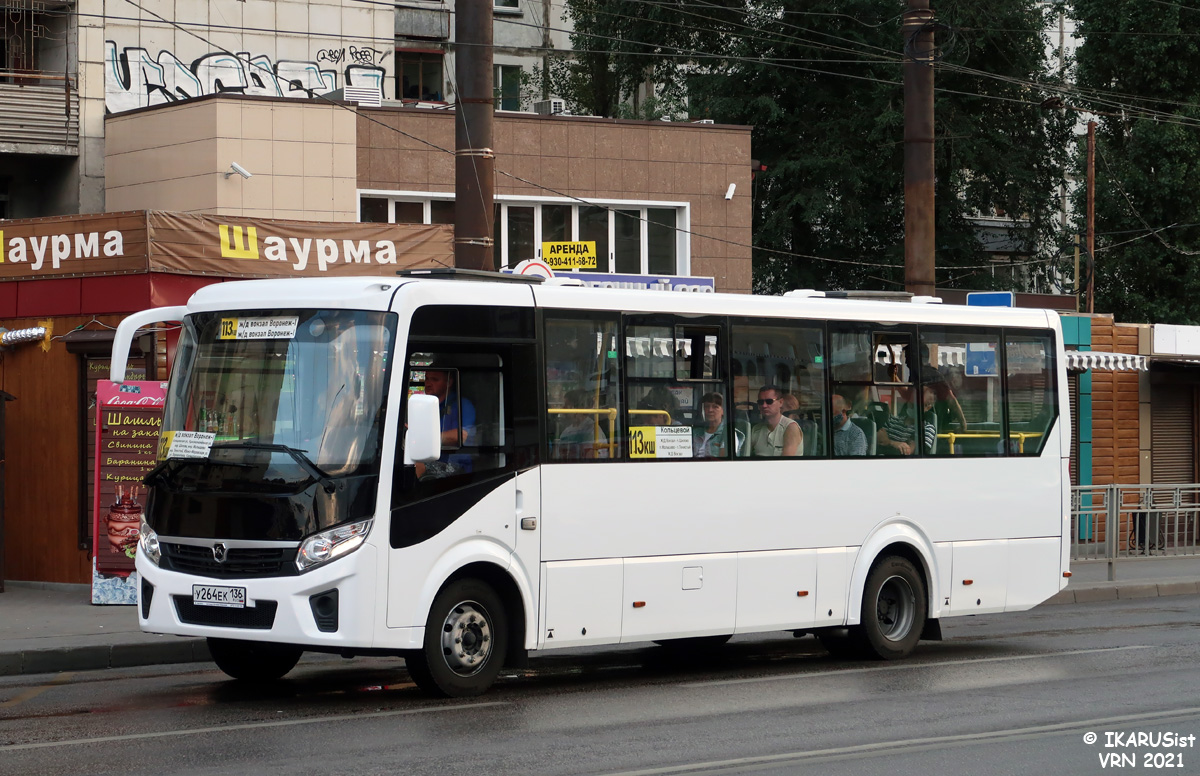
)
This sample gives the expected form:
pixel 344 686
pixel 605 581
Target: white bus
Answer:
pixel 589 467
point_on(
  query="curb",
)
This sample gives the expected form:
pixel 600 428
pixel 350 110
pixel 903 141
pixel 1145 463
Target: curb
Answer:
pixel 1122 591
pixel 90 658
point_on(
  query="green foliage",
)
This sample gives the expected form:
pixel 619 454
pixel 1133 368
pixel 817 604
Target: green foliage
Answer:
pixel 822 89
pixel 1145 57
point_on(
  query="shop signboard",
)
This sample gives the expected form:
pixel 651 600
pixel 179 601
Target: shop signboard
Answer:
pixel 128 422
pixel 220 246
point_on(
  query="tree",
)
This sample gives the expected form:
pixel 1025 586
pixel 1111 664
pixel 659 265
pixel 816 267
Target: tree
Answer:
pixel 1140 65
pixel 822 90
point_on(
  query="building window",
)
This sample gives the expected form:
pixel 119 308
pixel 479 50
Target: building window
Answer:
pixel 373 210
pixel 630 237
pixel 420 76
pixel 507 6
pixel 410 212
pixel 507 85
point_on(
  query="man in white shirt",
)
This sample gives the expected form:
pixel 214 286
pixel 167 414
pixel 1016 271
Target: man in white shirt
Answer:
pixel 778 435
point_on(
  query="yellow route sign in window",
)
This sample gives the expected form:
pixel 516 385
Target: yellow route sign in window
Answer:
pixel 570 255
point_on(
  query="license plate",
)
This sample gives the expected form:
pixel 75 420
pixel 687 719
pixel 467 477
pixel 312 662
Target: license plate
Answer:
pixel 215 595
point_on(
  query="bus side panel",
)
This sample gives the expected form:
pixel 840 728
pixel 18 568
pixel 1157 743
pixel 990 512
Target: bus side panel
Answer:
pixel 1033 574
pixel 833 581
pixel 981 576
pixel 483 534
pixel 776 590
pixel 582 603
pixel 679 596
pixel 658 508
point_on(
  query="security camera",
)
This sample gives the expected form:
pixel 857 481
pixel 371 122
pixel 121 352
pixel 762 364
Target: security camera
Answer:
pixel 240 170
pixel 729 191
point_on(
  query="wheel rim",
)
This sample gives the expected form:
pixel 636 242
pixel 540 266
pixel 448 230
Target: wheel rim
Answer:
pixel 895 608
pixel 467 638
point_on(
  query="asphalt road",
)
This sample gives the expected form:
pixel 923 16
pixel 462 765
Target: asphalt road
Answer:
pixel 1005 694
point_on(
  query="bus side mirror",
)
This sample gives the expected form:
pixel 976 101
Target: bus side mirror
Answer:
pixel 423 439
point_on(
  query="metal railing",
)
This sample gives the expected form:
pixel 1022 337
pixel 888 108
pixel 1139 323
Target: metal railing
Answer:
pixel 1109 522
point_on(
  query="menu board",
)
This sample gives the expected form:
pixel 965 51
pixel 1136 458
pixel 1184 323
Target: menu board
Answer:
pixel 128 422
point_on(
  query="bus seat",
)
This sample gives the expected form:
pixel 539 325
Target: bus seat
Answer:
pixel 812 440
pixel 743 427
pixel 870 429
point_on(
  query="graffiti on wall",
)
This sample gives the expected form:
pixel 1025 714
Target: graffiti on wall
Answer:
pixel 359 55
pixel 133 79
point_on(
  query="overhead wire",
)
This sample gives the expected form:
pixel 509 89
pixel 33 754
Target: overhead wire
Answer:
pixel 681 52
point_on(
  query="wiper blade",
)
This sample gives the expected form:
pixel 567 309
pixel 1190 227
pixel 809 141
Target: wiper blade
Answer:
pixel 298 456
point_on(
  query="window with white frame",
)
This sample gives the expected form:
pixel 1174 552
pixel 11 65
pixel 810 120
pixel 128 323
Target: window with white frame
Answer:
pixel 506 84
pixel 631 237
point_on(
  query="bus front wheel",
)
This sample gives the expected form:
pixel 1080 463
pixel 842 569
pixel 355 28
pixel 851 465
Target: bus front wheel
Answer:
pixel 253 661
pixel 894 608
pixel 466 637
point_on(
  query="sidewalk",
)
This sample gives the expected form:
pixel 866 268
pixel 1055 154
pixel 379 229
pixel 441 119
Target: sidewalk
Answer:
pixel 48 627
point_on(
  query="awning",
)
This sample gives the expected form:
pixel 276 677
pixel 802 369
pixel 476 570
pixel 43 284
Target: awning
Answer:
pixel 1080 360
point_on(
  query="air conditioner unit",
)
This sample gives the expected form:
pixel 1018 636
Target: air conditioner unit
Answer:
pixel 370 96
pixel 554 106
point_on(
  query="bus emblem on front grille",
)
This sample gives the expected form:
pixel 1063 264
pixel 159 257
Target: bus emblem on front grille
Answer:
pixel 220 552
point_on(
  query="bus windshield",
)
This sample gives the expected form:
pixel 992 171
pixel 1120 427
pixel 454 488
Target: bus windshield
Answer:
pixel 291 389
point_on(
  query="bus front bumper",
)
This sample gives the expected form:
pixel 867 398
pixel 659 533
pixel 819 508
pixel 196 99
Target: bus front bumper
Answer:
pixel 331 607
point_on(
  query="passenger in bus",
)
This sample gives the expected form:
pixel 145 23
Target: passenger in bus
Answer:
pixel 659 398
pixel 949 411
pixel 711 440
pixel 581 438
pixel 456 431
pixel 791 406
pixel 899 432
pixel 777 435
pixel 848 438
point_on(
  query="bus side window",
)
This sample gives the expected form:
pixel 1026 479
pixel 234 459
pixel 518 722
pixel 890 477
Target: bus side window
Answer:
pixel 961 367
pixel 582 388
pixel 1030 398
pixel 788 359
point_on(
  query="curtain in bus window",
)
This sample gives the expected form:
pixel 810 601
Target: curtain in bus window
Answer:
pixel 784 363
pixel 1031 398
pixel 582 389
pixel 960 376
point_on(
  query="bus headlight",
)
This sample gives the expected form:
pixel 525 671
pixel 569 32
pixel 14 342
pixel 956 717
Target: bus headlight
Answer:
pixel 325 546
pixel 148 546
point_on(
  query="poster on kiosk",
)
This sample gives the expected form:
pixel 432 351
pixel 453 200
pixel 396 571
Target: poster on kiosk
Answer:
pixel 128 421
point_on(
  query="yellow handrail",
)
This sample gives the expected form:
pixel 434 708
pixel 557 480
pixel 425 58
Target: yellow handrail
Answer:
pixel 1020 436
pixel 652 412
pixel 611 412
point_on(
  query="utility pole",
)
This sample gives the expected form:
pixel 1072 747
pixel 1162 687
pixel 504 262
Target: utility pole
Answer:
pixel 917 33
pixel 1091 218
pixel 474 159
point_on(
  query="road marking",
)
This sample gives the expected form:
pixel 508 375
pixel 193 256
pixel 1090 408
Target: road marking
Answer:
pixel 33 692
pixel 912 744
pixel 904 667
pixel 247 726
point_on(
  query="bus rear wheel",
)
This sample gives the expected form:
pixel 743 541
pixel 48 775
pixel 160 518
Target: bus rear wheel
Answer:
pixel 894 608
pixel 466 638
pixel 253 661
